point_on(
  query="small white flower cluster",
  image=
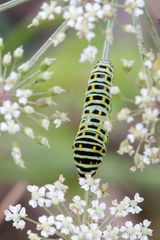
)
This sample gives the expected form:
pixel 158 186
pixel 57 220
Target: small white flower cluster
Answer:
pixel 135 6
pixel 141 140
pixel 83 218
pixel 83 17
pixel 19 100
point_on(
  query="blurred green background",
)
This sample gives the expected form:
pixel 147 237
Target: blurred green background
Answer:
pixel 43 165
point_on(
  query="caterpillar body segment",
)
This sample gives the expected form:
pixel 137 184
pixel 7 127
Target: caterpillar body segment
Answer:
pixel 89 146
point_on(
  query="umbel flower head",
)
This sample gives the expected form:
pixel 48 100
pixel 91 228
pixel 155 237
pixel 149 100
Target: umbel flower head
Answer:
pixel 20 103
pixel 82 219
pixel 142 138
pixel 83 16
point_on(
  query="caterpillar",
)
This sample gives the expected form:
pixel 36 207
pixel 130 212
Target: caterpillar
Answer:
pixel 89 146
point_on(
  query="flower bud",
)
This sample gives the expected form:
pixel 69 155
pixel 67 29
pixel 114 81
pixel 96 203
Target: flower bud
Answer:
pixel 44 76
pixel 42 141
pixel 46 63
pixel 127 65
pixel 28 109
pixel 29 132
pixel 7 59
pixel 18 53
pixel 44 102
pixel 56 90
pixel 23 68
pixel 45 123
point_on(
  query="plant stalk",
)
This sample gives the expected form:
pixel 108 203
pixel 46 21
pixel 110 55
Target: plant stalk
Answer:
pixel 11 4
pixel 152 29
pixel 42 50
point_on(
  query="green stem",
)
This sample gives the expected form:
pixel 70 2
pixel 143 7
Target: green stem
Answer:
pixel 0 64
pixel 30 220
pixel 152 29
pixel 107 45
pixel 107 221
pixel 65 209
pixel 11 4
pixel 48 211
pixel 27 79
pixel 106 48
pixel 141 48
pixel 62 28
pixel 158 133
pixel 88 197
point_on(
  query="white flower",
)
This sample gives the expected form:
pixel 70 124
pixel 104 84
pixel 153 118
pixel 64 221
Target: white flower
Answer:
pixel 151 155
pixel 59 186
pixel 15 214
pixel 59 118
pixel 129 28
pixel 29 132
pixel 45 76
pixel 150 115
pixel 9 126
pixel 80 232
pixel 37 196
pixel 57 122
pixel 24 67
pixel 127 64
pixel 134 5
pixel 144 230
pixel 134 208
pixel 64 224
pixel 124 114
pixel 57 90
pixel 45 123
pixel 125 147
pixel 120 209
pixel 111 233
pixel 10 110
pixel 7 59
pixel 44 141
pixel 88 54
pixel 72 14
pixel 114 90
pixel 129 231
pixel 32 236
pixel 97 210
pixel 54 195
pixel 28 109
pixel 143 76
pixel 84 28
pixel 107 125
pixel 47 12
pixel 11 81
pixel 93 10
pixel 17 156
pixel 137 132
pixel 18 53
pixel 58 39
pixel 90 184
pixel 145 98
pixel 46 226
pixel 108 11
pixel 84 232
pixel 23 95
pixel 77 207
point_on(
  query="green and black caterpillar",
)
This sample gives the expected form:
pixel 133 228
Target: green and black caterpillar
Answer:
pixel 90 143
